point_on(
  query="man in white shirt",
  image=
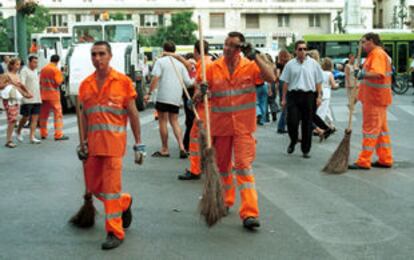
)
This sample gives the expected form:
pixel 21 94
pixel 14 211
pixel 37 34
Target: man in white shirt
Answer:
pixel 168 97
pixel 302 93
pixel 30 107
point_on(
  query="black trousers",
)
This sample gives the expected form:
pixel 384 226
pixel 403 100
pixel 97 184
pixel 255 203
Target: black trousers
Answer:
pixel 189 119
pixel 301 108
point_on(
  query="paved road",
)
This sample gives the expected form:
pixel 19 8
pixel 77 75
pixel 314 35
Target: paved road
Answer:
pixel 305 214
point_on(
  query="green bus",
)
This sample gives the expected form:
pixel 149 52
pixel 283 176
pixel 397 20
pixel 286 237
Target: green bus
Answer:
pixel 400 46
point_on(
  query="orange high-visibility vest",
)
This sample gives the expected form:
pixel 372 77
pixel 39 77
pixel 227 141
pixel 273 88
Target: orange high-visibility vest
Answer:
pixel 233 97
pixel 377 91
pixel 106 111
pixel 50 79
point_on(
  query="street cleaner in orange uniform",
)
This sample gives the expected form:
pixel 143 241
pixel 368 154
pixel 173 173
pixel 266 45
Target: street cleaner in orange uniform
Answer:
pixel 375 96
pixel 231 85
pixel 50 80
pixel 108 100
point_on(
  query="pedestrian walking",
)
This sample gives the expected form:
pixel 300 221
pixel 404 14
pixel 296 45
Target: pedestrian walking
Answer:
pixel 30 108
pixel 375 96
pixel 50 80
pixel 302 93
pixel 271 93
pixel 282 59
pixel 231 82
pixel 188 110
pixel 5 63
pixel 350 82
pixel 168 98
pixel 13 91
pixel 108 100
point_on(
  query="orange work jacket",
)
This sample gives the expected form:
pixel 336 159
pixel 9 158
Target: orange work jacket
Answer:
pixel 106 112
pixel 233 97
pixel 50 79
pixel 377 91
pixel 33 48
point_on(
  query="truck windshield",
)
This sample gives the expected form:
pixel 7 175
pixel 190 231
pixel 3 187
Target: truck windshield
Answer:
pixel 119 33
pixel 85 34
pixel 48 43
pixel 66 41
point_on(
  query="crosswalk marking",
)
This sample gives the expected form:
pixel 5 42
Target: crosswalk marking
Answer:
pixel 341 114
pixel 407 108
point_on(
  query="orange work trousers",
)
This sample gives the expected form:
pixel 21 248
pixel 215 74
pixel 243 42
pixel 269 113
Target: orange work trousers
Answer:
pixel 195 153
pixel 56 107
pixel 243 149
pixel 375 136
pixel 103 179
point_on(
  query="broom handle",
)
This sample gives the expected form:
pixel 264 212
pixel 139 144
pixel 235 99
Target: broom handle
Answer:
pixel 81 137
pixel 354 90
pixel 203 77
pixel 180 79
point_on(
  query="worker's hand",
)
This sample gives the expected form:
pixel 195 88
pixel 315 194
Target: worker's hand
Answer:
pixel 248 50
pixel 359 74
pixel 189 104
pixel 203 88
pixel 82 154
pixel 140 153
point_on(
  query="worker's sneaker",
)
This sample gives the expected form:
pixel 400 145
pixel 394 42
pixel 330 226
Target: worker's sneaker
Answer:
pixel 63 138
pixel 111 242
pixel 357 167
pixel 251 223
pixel 127 217
pixel 380 165
pixel 35 141
pixel 187 176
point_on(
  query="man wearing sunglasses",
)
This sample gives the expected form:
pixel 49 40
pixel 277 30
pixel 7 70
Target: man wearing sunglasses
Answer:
pixel 302 93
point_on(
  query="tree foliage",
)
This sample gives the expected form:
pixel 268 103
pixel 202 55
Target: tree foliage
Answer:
pixel 5 43
pixel 181 31
pixel 118 16
pixel 37 22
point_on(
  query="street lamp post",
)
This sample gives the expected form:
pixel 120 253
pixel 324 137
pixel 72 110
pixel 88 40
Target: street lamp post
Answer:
pixel 402 14
pixel 21 31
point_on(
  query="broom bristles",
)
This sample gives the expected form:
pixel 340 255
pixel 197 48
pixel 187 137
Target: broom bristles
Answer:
pixel 212 206
pixel 338 163
pixel 85 217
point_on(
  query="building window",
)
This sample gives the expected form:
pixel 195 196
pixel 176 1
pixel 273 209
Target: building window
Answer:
pixel 314 20
pixel 78 18
pixel 58 20
pixel 283 20
pixel 217 21
pixel 149 20
pixel 252 21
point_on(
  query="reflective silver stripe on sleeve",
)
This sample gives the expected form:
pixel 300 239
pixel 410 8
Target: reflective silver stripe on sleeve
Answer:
pixel 112 216
pixel 106 127
pixel 234 108
pixel 103 109
pixel 376 85
pixel 233 92
pixel 370 136
pixel 247 185
pixel 244 172
pixel 383 146
pixel 384 134
pixel 368 148
pixel 109 196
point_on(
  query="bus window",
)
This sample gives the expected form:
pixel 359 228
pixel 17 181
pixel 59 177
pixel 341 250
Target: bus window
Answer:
pixel 337 49
pixel 48 43
pixel 84 34
pixel 66 41
pixel 402 57
pixel 119 33
pixel 411 49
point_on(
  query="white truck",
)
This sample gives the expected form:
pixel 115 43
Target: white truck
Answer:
pixel 50 44
pixel 121 35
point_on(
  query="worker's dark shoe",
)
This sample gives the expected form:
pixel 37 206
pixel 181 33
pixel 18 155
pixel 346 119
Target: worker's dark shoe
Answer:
pixel 291 148
pixel 127 217
pixel 380 165
pixel 63 138
pixel 226 211
pixel 43 137
pixel 306 156
pixel 357 167
pixel 251 223
pixel 187 176
pixel 183 154
pixel 111 242
pixel 281 131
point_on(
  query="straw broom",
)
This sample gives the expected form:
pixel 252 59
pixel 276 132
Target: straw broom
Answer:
pixel 85 217
pixel 338 163
pixel 211 205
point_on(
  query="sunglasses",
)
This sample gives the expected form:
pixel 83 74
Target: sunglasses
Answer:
pixel 302 49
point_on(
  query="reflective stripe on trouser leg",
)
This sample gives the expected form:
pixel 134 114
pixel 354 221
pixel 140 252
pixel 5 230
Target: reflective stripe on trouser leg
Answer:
pixel 195 163
pixel 383 146
pixel 43 117
pixel 223 146
pixel 372 122
pixel 103 178
pixel 244 155
pixel 58 118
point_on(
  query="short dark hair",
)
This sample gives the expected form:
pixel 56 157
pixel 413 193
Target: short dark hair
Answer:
pixel 55 58
pixel 31 58
pixel 297 43
pixel 169 46
pixel 103 43
pixel 34 40
pixel 375 38
pixel 206 47
pixel 188 56
pixel 238 35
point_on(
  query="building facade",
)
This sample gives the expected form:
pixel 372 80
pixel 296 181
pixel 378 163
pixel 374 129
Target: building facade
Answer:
pixel 387 14
pixel 266 23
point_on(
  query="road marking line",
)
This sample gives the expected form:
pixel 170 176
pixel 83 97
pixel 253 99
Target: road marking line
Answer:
pixel 407 108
